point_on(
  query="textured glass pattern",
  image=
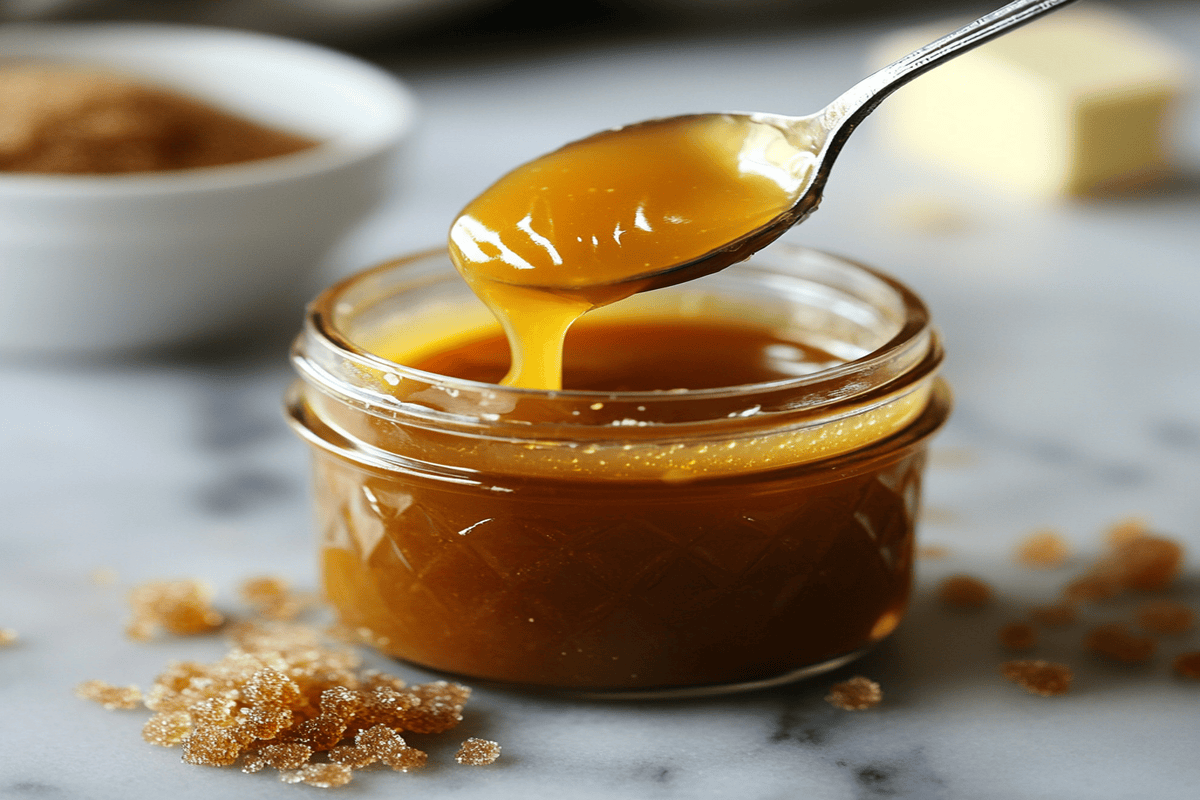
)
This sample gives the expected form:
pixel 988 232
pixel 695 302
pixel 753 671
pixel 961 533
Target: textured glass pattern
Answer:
pixel 647 586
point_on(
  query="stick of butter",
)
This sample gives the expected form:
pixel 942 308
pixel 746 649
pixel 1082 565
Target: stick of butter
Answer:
pixel 1076 103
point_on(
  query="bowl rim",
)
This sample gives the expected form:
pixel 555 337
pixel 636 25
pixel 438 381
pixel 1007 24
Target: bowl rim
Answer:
pixel 326 156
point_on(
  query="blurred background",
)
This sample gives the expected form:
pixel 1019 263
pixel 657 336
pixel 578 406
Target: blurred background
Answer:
pixel 445 22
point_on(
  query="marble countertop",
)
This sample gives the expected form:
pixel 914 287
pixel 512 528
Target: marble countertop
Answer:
pixel 1073 342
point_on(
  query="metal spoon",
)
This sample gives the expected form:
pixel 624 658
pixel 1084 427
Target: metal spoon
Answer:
pixel 812 143
pixel 824 133
pixel 532 230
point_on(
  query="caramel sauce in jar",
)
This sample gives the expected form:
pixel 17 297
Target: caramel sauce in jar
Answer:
pixel 722 497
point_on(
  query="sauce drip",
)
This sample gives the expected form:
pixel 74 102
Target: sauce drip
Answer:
pixel 591 223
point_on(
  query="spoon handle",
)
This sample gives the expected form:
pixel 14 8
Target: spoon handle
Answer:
pixel 841 116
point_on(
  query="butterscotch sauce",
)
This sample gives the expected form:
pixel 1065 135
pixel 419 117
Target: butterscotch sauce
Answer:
pixel 584 226
pixel 607 568
pixel 644 356
pixel 687 519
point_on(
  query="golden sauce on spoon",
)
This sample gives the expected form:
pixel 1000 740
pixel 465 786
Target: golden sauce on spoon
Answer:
pixel 593 222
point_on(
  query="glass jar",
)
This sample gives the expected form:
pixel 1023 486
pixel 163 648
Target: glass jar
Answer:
pixel 626 543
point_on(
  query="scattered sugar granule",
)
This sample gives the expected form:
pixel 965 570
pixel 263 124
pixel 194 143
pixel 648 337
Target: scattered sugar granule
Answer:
pixel 1126 530
pixel 1148 563
pixel 272 598
pixel 1099 584
pixel 322 776
pixel 1165 617
pixel 856 694
pixel 284 698
pixel 1187 665
pixel 1044 678
pixel 1136 560
pixel 282 756
pixel 964 591
pixel 440 707
pixel 109 696
pixel 1055 616
pixel 477 752
pixel 167 728
pixel 1114 641
pixel 389 747
pixel 933 552
pixel 180 607
pixel 352 756
pixel 7 636
pixel 1043 549
pixel 1018 636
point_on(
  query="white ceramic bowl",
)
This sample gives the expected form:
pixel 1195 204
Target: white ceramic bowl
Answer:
pixel 92 264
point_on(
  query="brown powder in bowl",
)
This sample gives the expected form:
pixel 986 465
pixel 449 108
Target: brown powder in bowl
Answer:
pixel 79 120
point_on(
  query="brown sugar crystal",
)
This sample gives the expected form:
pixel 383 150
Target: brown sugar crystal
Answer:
pixel 272 598
pixel 1165 617
pixel 856 694
pixel 1126 530
pixel 284 698
pixel 1115 642
pixel 386 745
pixel 964 591
pixel 1136 560
pixel 78 120
pixel 7 636
pixel 322 776
pixel 477 752
pixel 1018 636
pixel 1043 549
pixel 1044 678
pixel 1148 563
pixel 1055 616
pixel 1187 665
pixel 109 696
pixel 1102 582
pixel 182 607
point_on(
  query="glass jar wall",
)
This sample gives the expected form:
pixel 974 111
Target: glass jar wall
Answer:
pixel 622 542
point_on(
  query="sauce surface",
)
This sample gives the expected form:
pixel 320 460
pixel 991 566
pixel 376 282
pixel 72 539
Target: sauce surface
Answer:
pixel 588 224
pixel 644 356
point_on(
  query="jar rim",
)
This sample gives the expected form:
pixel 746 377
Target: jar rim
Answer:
pixel 324 330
